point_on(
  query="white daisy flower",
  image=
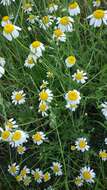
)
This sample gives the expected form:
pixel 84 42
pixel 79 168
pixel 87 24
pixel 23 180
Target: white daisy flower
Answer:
pixel 80 76
pixel 2 61
pixel 38 175
pixel 70 61
pixel 18 138
pixel 73 97
pixel 98 17
pixel 46 176
pixel 44 84
pixel 21 149
pixel 87 174
pixel 13 169
pixel 46 95
pixel 37 48
pixel 5 135
pixel 81 144
pixel 52 7
pixel 27 7
pixel 18 178
pixel 103 155
pixel 24 172
pixel 18 97
pixel 71 107
pixel 73 8
pixel 11 31
pixel 31 19
pixel 58 35
pixel 96 3
pixel 5 20
pixel 78 181
pixel 6 2
pixel 46 22
pixel 65 24
pixel 57 168
pixel 10 124
pixel 39 137
pixel 30 61
pixel 43 107
pixel 104 109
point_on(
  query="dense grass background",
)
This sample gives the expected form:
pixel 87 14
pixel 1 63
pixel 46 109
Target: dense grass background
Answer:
pixel 62 127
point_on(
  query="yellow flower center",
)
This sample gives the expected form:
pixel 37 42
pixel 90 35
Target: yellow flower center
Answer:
pixel 30 61
pixel 82 144
pixel 5 18
pixel 86 175
pixel 46 176
pixel 43 107
pixel 18 96
pixel 73 5
pixel 56 168
pixel 18 178
pixel 45 19
pixel 71 60
pixel 9 28
pixel 31 17
pixel 58 33
pixel 13 169
pixel 72 95
pixel 43 95
pixel 5 135
pixel 37 137
pixel 23 173
pixel 79 76
pixel 64 20
pixel 78 181
pixel 73 147
pixel 37 176
pixel 36 44
pixel 103 154
pixel 16 136
pixel 9 125
pixel 27 6
pixel 98 14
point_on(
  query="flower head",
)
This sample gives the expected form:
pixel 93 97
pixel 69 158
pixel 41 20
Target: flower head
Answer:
pixel 87 174
pixel 81 144
pixel 21 149
pixel 37 48
pixel 103 155
pixel 30 61
pixel 18 97
pixel 70 61
pixel 57 168
pixel 59 35
pixel 46 176
pixel 52 7
pixel 38 175
pixel 10 124
pixel 18 138
pixel 24 172
pixel 46 95
pixel 73 97
pixel 80 76
pixel 11 31
pixel 13 169
pixel 73 8
pixel 39 137
pixel 5 20
pixel 96 3
pixel 65 24
pixel 78 181
pixel 5 135
pixel 43 107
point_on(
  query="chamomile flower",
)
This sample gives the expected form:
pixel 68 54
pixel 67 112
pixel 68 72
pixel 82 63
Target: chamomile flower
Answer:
pixel 87 174
pixel 70 61
pixel 2 61
pixel 57 168
pixel 46 176
pixel 73 8
pixel 18 138
pixel 10 124
pixel 5 20
pixel 31 19
pixel 30 61
pixel 43 107
pixel 21 149
pixel 104 109
pixel 39 137
pixel 98 17
pixel 11 31
pixel 37 48
pixel 5 135
pixel 27 7
pixel 13 169
pixel 27 180
pixel 44 84
pixel 18 97
pixel 103 155
pixel 46 22
pixel 18 178
pixel 46 95
pixel 58 35
pixel 24 172
pixel 38 175
pixel 6 2
pixel 97 3
pixel 52 7
pixel 80 76
pixel 78 181
pixel 65 24
pixel 71 107
pixel 81 144
pixel 73 97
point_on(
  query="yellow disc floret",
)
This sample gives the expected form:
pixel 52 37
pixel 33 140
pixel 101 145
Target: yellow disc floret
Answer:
pixel 5 135
pixel 9 28
pixel 71 60
pixel 16 136
pixel 72 95
pixel 36 44
pixel 73 5
pixel 98 14
pixel 43 95
pixel 64 20
pixel 18 96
